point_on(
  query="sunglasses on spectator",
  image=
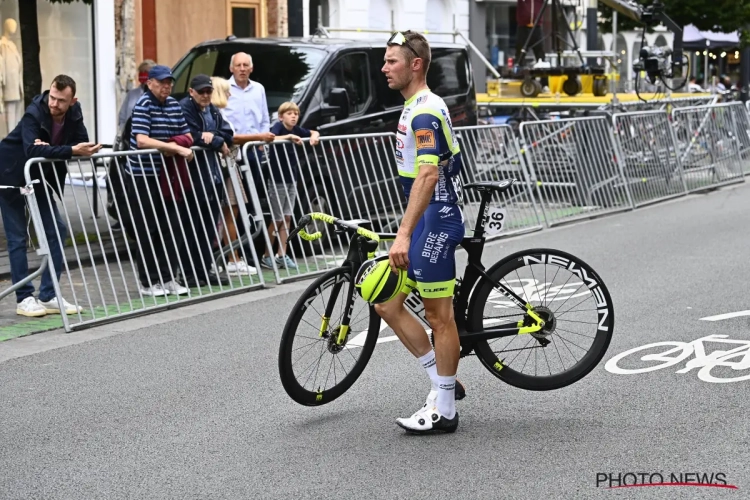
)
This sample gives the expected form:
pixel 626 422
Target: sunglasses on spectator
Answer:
pixel 205 91
pixel 398 38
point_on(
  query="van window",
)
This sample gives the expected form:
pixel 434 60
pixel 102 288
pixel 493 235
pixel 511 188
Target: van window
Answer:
pixel 387 97
pixel 350 72
pixel 449 72
pixel 284 71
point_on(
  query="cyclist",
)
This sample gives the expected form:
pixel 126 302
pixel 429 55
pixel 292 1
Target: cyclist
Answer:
pixel 429 163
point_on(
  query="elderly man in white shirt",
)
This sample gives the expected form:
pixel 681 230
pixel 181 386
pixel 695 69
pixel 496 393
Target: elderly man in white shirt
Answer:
pixel 247 112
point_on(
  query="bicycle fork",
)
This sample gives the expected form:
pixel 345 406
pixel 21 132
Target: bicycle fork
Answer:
pixel 325 321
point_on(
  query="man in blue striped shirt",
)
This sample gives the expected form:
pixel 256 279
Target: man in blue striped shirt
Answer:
pixel 158 123
pixel 157 118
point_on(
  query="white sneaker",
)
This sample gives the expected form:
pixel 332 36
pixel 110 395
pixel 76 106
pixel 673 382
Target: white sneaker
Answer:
pixel 428 420
pixel 52 307
pixel 176 288
pixel 241 268
pixel 30 307
pixel 154 291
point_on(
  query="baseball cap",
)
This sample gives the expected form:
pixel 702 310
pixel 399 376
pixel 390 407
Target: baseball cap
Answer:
pixel 200 82
pixel 160 72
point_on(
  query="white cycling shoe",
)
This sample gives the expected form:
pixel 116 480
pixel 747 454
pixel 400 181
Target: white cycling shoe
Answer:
pixel 428 419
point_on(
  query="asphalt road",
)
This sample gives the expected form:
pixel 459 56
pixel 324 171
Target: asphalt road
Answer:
pixel 192 407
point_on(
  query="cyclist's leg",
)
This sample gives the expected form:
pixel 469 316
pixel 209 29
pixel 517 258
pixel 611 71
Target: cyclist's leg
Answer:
pixel 436 282
pixel 433 260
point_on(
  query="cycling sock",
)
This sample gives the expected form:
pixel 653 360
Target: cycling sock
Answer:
pixel 430 366
pixel 446 398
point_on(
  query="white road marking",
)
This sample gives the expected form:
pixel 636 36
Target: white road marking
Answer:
pixel 359 339
pixel 720 317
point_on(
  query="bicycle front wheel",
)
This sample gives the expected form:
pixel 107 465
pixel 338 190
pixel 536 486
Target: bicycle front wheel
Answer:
pixel 574 303
pixel 327 341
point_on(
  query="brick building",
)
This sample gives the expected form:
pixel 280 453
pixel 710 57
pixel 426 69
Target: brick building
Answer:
pixel 159 37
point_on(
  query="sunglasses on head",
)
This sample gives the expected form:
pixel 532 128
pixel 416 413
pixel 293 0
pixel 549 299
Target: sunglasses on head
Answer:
pixel 399 38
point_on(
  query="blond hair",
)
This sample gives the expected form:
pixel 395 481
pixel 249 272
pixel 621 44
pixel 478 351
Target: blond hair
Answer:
pixel 221 89
pixel 288 106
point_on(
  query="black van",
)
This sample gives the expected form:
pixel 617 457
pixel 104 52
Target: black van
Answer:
pixel 307 71
pixel 340 89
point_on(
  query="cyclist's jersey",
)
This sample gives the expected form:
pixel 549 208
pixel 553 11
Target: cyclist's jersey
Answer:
pixel 425 137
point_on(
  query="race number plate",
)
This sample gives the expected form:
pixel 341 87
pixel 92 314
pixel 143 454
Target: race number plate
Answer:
pixel 495 221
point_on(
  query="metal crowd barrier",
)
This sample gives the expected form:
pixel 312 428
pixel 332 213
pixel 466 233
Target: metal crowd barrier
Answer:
pixel 574 165
pixel 162 240
pixel 151 240
pixel 492 153
pixel 355 177
pixel 709 145
pixel 352 177
pixel 742 122
pixel 649 153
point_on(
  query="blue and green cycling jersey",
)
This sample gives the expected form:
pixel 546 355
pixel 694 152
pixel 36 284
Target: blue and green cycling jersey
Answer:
pixel 425 137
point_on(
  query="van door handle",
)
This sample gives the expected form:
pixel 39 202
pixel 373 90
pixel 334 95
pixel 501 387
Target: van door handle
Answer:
pixel 378 123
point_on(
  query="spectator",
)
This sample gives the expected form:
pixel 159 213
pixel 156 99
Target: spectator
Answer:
pixel 158 123
pixel 209 130
pixel 52 127
pixel 282 182
pixel 126 110
pixel 694 87
pixel 247 110
pixel 236 264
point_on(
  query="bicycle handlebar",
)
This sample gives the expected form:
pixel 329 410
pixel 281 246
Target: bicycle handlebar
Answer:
pixel 330 219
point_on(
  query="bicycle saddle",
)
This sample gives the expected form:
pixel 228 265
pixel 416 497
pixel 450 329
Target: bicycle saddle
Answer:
pixel 501 186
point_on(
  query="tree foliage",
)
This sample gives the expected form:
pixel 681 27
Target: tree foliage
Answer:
pixel 716 15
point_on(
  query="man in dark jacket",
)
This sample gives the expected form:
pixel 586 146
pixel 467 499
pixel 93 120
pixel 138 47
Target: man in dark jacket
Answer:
pixel 52 128
pixel 210 131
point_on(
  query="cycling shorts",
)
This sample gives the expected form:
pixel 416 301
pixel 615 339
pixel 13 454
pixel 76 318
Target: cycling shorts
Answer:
pixel 432 254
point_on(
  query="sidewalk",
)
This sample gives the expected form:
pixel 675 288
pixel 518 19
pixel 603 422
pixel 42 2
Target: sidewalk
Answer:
pixel 105 282
pixel 12 325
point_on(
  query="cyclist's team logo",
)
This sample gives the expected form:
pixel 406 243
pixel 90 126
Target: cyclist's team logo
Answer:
pixel 434 245
pixel 425 139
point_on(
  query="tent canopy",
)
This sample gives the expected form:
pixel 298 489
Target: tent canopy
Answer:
pixel 692 38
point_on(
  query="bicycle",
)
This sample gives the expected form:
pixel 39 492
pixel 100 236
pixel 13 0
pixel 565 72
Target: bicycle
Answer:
pixel 334 333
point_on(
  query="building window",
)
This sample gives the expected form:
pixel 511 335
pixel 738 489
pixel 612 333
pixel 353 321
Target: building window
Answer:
pixel 246 18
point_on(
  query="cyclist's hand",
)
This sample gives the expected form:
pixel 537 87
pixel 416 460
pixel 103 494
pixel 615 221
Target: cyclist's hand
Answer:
pixel 399 253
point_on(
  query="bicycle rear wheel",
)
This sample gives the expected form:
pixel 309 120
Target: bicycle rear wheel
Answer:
pixel 573 301
pixel 314 365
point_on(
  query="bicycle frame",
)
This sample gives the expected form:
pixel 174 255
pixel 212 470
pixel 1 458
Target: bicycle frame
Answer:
pixel 363 246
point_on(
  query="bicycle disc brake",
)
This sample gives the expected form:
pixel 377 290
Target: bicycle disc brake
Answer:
pixel 550 323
